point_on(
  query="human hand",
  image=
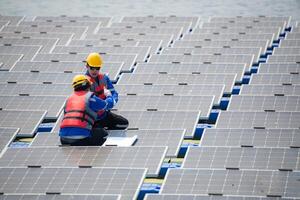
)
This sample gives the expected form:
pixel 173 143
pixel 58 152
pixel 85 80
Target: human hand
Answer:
pixel 107 92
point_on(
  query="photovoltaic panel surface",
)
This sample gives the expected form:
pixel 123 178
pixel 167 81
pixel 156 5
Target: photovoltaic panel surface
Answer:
pixel 176 90
pixel 262 103
pixel 247 59
pixel 148 137
pixel 13 20
pixel 223 44
pixel 77 31
pixel 186 79
pixel 28 51
pixel 276 90
pixel 63 37
pixel 285 138
pixel 256 51
pixel 283 59
pixel 248 18
pixel 115 157
pixel 162 120
pixel 290 43
pixel 128 59
pixel 287 50
pixel 232 182
pixel 27 121
pixel 285 79
pixel 234 119
pixel 30 89
pixel 109 43
pixel 280 68
pixel 110 68
pixel 181 68
pixel 142 52
pixel 241 31
pixel 150 196
pixel 9 60
pixel 292 35
pixel 35 77
pixel 79 181
pixel 242 158
pixel 53 104
pixel 60 197
pixel 7 135
pixel 166 103
pixel 47 44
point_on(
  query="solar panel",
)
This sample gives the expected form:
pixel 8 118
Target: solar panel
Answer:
pixel 28 51
pixel 281 138
pixel 166 103
pixel 112 157
pixel 53 104
pixel 109 43
pixel 47 44
pixel 223 44
pixel 247 59
pixel 248 18
pixel 77 31
pixel 292 35
pixel 283 59
pixel 176 90
pixel 92 25
pixel 256 51
pixel 186 79
pixel 248 25
pixel 142 52
pixel 234 119
pixel 289 43
pixel 279 68
pixel 79 181
pixel 170 138
pixel 7 135
pixel 154 196
pixel 13 20
pixel 242 158
pixel 60 197
pixel 35 77
pixel 128 59
pixel 232 182
pixel 284 79
pixel 194 20
pixel 27 121
pixel 63 37
pixel 153 24
pixel 181 68
pixel 104 20
pixel 111 68
pixel 240 30
pixel 166 39
pixel 176 31
pixel 230 37
pixel 264 103
pixel 276 90
pixel 162 120
pixel 9 60
pixel 286 51
pixel 31 89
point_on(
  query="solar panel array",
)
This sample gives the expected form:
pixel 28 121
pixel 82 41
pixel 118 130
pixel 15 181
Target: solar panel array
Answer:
pixel 171 74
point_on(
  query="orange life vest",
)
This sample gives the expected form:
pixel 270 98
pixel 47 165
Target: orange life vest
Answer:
pixel 77 112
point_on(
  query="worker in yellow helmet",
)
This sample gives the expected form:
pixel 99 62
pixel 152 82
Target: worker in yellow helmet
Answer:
pixel 80 112
pixel 103 87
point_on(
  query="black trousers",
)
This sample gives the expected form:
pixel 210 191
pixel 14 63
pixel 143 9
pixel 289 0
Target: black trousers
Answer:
pixel 112 121
pixel 97 139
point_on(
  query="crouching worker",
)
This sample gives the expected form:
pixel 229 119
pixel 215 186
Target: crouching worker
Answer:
pixel 80 113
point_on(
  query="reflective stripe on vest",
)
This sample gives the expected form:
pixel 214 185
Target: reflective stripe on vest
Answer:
pixel 77 112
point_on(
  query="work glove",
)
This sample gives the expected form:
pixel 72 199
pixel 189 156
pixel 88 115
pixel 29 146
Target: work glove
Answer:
pixel 107 92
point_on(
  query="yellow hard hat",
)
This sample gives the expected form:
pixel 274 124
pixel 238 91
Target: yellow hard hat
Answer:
pixel 94 60
pixel 79 80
